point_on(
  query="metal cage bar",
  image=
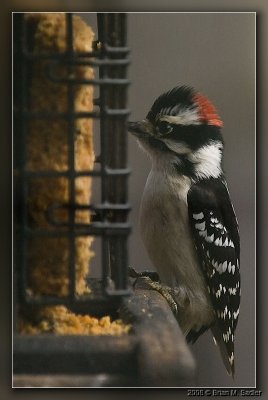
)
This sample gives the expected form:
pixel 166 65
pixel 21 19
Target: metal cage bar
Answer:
pixel 110 58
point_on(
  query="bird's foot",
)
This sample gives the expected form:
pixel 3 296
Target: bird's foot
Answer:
pixel 151 280
pixel 132 273
pixel 166 291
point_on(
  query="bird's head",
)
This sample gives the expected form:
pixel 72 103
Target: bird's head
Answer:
pixel 183 128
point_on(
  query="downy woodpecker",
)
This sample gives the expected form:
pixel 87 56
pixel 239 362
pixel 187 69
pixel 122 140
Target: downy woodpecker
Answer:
pixel 187 220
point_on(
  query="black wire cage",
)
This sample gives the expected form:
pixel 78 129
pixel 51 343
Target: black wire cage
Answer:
pixel 132 359
pixel 109 59
pixel 109 217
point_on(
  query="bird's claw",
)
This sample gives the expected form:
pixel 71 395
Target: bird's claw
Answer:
pixel 165 291
pixel 132 273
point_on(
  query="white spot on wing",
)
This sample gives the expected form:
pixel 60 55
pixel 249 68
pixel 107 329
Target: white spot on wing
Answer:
pixel 225 312
pixel 209 239
pixel 220 267
pixel 225 244
pixel 203 233
pixel 218 241
pixel 236 313
pixel 218 293
pixel 212 274
pixel 230 267
pixel 232 291
pixel 201 226
pixel 198 216
pixel 224 266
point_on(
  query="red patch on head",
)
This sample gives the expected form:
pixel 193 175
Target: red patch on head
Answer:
pixel 207 111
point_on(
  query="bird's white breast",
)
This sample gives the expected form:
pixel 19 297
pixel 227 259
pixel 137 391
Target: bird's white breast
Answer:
pixel 165 227
pixel 168 239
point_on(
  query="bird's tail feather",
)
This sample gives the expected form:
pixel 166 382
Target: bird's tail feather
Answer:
pixel 226 350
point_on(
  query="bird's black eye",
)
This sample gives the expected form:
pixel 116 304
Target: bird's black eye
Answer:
pixel 163 128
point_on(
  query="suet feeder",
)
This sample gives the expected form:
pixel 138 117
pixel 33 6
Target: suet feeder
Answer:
pixel 71 329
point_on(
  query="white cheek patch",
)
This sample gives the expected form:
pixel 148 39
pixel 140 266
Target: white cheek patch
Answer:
pixel 207 160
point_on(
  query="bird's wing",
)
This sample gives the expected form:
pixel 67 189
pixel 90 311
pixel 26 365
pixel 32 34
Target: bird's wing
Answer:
pixel 216 237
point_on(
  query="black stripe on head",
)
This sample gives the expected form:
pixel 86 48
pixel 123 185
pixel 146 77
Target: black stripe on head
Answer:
pixel 195 136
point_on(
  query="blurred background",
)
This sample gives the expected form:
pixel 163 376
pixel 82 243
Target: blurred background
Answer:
pixel 215 53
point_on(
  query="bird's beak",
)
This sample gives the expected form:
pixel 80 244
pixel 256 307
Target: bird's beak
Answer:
pixel 140 129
